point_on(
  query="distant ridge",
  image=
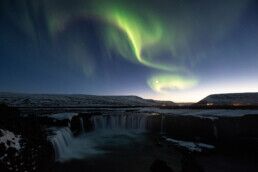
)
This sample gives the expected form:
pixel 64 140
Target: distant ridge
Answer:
pixel 235 99
pixel 74 100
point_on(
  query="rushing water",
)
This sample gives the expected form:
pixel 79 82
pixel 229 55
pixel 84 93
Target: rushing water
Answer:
pixel 132 122
pixel 107 129
pixel 82 125
pixel 61 141
pixel 162 125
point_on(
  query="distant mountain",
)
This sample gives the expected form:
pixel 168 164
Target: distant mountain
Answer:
pixel 235 99
pixel 75 100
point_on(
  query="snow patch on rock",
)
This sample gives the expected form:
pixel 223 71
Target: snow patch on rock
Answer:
pixel 9 140
pixel 63 116
pixel 191 146
pixel 203 113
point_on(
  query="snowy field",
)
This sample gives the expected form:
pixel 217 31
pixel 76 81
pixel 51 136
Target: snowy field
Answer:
pixel 203 112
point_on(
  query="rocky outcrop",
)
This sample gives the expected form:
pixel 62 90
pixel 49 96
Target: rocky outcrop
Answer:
pixel 23 143
pixel 86 121
pixel 160 166
pixel 190 127
pixel 43 137
pixel 154 124
pixel 231 133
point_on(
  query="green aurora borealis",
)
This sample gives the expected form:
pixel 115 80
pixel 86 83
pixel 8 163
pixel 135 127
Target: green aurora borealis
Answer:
pixel 143 37
pixel 168 38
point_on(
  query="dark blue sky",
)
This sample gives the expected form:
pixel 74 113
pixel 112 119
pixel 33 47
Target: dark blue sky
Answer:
pixel 176 50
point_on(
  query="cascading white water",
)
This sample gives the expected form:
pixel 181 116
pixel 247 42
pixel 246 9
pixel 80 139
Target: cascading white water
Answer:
pixel 67 146
pixel 137 122
pixel 82 125
pixel 162 124
pixel 215 130
pixel 61 139
pixel 214 127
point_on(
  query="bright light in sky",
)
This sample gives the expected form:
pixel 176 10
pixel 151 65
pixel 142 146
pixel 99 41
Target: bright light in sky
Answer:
pixel 195 95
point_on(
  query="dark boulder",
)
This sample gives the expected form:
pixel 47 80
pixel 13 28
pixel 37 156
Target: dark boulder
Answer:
pixel 86 119
pixel 34 153
pixel 154 123
pixel 189 164
pixel 160 166
pixel 189 128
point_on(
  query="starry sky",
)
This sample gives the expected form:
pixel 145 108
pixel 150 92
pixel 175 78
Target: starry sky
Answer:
pixel 179 50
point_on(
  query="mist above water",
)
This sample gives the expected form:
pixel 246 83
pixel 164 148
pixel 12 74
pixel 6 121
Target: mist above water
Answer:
pixel 109 131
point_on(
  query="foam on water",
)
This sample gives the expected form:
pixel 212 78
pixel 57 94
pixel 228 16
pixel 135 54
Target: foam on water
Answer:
pixel 131 122
pixel 68 147
pixel 109 130
pixel 82 125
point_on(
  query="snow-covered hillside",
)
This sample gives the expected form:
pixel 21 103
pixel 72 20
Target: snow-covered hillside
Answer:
pixel 231 99
pixel 76 100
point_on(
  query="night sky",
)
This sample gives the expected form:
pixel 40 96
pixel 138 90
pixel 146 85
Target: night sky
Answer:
pixel 179 50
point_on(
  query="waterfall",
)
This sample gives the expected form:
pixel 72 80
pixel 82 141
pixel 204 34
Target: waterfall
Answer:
pixel 66 146
pixel 162 124
pixel 61 139
pixel 215 129
pixel 82 125
pixel 136 122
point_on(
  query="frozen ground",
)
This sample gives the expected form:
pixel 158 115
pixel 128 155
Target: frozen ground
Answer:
pixel 190 146
pixel 203 112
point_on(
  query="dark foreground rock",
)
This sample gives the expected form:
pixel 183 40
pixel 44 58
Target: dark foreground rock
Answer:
pixel 160 166
pixel 23 143
pixel 229 133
